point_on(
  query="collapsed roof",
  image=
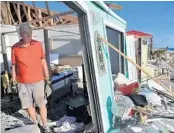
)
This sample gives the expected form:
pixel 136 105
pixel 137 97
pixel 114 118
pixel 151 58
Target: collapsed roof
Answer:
pixel 13 13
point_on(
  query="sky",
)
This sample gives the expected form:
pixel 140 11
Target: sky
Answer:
pixel 156 18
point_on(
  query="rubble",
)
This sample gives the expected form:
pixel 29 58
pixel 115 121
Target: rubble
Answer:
pixel 152 98
pixel 68 125
pixel 11 124
pixel 157 116
pixel 25 129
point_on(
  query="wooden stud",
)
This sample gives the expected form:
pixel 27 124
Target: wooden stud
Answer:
pixel 57 21
pixel 35 8
pixel 3 18
pixel 114 6
pixel 23 15
pixel 9 17
pixel 29 14
pixel 73 20
pixel 46 3
pixel 49 12
pixel 45 23
pixel 36 12
pixel 65 21
pixel 49 17
pixel 34 15
pixel 34 24
pixel 19 19
pixel 25 11
pixel 40 17
pixel 19 11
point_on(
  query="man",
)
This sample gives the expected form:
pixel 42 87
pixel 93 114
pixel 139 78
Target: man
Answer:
pixel 29 68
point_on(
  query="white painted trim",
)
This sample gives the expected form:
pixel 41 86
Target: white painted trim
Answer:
pixel 85 7
pixel 62 26
pixel 102 105
pixel 8 26
pixel 118 28
pixel 118 17
pixel 83 4
pixel 114 26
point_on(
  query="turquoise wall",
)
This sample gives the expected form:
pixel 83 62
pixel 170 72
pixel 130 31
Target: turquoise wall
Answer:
pixel 105 87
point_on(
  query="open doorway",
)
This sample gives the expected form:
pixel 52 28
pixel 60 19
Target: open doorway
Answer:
pixel 78 55
pixel 68 56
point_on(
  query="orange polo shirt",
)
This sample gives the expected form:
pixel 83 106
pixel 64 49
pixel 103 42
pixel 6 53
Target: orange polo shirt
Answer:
pixel 28 63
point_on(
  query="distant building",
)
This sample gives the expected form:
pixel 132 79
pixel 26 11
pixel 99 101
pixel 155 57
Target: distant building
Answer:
pixel 133 48
pixel 170 55
pixel 146 43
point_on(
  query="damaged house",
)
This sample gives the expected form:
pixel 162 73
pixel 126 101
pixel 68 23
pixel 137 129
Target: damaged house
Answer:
pixel 87 57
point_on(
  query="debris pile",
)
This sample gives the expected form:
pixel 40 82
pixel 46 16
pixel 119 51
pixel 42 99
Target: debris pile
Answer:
pixel 67 125
pixel 11 124
pixel 138 109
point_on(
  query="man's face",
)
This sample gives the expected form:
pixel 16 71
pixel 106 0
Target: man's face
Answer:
pixel 26 36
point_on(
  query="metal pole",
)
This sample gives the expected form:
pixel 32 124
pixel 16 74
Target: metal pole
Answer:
pixel 4 53
pixel 139 58
pixel 47 51
pixel 84 82
pixel 151 45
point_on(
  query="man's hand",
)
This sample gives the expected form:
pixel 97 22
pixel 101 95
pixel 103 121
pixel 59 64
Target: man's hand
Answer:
pixel 47 80
pixel 13 82
pixel 46 73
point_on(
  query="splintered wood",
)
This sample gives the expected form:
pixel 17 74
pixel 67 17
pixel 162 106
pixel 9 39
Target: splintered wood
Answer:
pixel 15 13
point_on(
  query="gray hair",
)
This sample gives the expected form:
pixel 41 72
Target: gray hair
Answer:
pixel 24 27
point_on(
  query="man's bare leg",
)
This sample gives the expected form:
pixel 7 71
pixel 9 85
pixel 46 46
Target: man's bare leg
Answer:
pixel 32 113
pixel 43 113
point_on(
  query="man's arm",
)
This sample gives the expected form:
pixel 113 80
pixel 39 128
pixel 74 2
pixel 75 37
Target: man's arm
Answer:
pixel 13 59
pixel 45 67
pixel 13 73
pixel 44 64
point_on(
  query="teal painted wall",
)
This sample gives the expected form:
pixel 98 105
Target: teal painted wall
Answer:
pixel 105 87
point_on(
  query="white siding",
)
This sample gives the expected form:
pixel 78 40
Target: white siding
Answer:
pixel 131 47
pixel 65 40
pixel 10 39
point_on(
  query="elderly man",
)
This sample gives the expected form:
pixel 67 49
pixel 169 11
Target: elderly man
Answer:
pixel 29 68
